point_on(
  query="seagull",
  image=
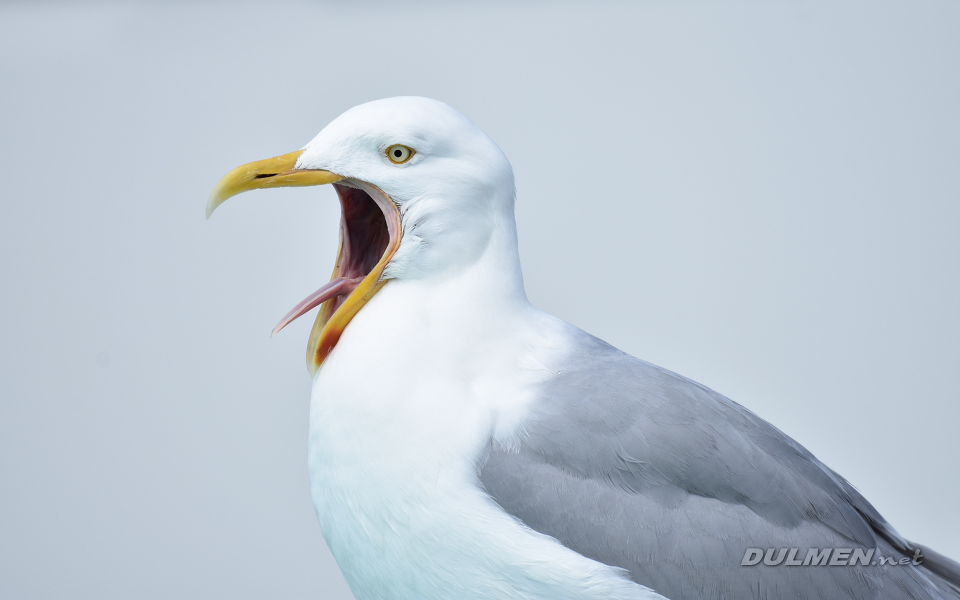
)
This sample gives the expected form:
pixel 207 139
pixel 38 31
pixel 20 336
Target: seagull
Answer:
pixel 465 445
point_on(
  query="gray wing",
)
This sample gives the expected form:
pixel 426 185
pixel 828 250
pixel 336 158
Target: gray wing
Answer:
pixel 637 467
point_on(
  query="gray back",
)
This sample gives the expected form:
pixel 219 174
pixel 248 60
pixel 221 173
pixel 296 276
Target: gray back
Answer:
pixel 637 467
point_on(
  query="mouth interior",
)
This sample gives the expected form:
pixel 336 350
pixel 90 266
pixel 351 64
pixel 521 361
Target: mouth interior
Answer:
pixel 364 238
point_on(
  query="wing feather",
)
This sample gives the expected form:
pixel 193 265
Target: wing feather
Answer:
pixel 635 466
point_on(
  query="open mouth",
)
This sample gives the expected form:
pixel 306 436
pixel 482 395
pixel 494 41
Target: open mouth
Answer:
pixel 369 236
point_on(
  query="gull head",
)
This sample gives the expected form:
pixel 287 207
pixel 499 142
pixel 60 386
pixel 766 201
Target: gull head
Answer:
pixel 423 193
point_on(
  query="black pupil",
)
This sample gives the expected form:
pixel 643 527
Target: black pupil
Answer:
pixel 398 153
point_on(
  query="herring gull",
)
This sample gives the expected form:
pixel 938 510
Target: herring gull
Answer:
pixel 465 445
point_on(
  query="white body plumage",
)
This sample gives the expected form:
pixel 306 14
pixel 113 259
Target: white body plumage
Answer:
pixel 394 450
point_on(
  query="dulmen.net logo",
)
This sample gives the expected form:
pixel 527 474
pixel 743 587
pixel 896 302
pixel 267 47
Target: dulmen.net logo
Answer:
pixel 824 557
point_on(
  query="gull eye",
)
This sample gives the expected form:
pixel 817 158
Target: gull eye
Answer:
pixel 399 154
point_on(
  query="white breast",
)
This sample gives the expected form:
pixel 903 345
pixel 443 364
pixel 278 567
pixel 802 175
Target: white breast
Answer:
pixel 402 411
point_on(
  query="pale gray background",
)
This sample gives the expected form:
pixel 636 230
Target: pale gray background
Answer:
pixel 762 196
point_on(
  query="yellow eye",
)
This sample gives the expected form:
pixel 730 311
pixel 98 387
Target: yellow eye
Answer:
pixel 399 154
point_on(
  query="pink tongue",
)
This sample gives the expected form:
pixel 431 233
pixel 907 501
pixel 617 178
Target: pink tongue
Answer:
pixel 337 287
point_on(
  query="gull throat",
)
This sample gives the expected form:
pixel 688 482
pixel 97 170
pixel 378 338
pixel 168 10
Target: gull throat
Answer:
pixel 364 239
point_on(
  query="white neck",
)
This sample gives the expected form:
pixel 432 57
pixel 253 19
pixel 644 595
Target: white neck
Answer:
pixel 429 374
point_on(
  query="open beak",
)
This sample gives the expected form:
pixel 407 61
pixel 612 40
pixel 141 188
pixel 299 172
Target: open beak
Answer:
pixel 369 236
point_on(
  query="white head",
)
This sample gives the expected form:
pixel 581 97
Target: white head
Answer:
pixel 424 192
pixel 453 192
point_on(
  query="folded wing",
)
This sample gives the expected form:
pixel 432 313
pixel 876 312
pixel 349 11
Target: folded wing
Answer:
pixel 637 467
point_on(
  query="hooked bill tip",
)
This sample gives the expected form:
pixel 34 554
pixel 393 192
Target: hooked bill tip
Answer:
pixel 212 203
